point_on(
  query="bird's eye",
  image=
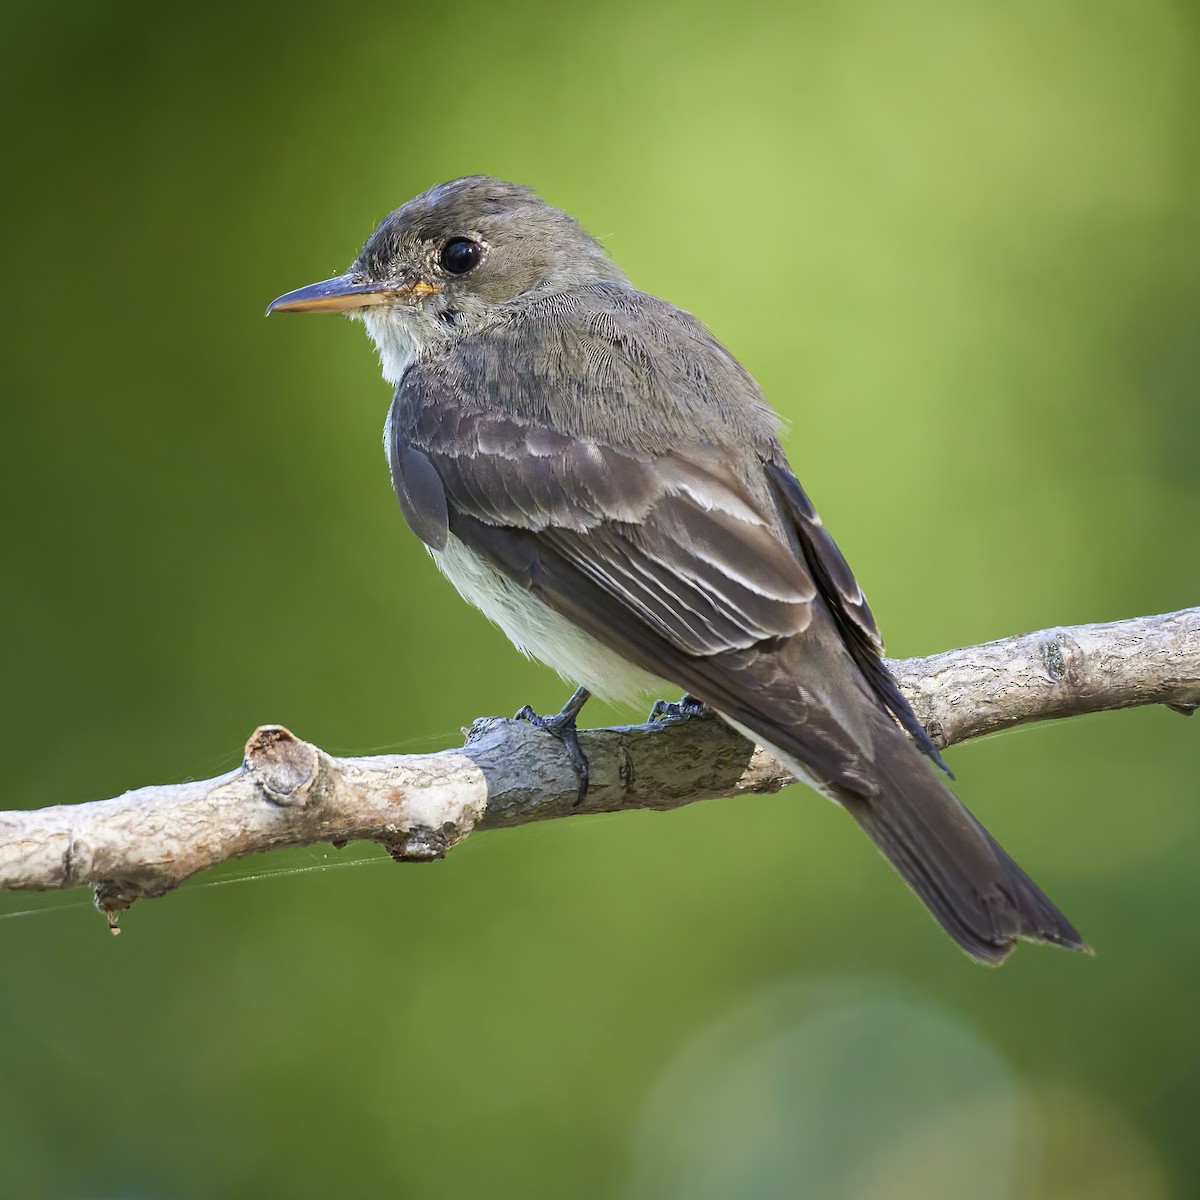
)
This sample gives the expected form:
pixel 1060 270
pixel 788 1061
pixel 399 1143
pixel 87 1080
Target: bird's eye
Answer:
pixel 460 255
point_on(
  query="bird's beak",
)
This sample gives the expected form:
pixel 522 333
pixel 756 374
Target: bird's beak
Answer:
pixel 344 293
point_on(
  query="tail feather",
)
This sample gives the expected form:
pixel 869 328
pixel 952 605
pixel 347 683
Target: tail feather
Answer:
pixel 973 888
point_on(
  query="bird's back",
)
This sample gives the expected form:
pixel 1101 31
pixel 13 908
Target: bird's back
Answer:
pixel 608 363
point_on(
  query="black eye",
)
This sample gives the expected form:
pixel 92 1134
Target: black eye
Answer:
pixel 460 255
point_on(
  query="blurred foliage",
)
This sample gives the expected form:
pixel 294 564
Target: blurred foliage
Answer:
pixel 958 244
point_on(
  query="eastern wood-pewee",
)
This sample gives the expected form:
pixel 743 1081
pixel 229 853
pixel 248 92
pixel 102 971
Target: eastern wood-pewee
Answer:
pixel 595 471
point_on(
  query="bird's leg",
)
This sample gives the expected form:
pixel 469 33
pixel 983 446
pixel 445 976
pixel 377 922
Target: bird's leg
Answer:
pixel 562 725
pixel 670 712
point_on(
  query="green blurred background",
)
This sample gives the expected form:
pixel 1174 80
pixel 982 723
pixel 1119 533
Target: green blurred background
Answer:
pixel 958 245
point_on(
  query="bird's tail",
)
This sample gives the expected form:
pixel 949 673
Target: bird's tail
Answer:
pixel 977 893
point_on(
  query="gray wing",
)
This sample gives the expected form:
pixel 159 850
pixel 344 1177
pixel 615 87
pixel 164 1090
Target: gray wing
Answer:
pixel 671 540
pixel 847 604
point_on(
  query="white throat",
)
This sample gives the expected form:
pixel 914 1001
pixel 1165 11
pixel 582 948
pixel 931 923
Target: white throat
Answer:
pixel 394 339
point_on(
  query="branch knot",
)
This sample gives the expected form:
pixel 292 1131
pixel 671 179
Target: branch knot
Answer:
pixel 1062 657
pixel 283 766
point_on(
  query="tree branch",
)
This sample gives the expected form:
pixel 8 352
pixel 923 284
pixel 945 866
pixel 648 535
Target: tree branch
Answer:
pixel 289 793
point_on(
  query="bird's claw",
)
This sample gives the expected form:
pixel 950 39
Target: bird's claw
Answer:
pixel 562 726
pixel 671 712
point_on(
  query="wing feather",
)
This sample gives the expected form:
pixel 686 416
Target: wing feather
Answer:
pixel 848 605
pixel 675 543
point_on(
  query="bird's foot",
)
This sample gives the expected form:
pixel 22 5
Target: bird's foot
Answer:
pixel 562 726
pixel 671 712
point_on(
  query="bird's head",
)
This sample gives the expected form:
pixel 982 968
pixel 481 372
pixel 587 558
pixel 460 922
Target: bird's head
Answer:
pixel 437 268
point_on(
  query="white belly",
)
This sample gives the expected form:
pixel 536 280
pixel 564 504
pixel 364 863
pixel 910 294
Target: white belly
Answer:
pixel 540 632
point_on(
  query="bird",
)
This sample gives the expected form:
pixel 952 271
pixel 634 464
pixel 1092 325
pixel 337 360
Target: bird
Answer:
pixel 589 466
